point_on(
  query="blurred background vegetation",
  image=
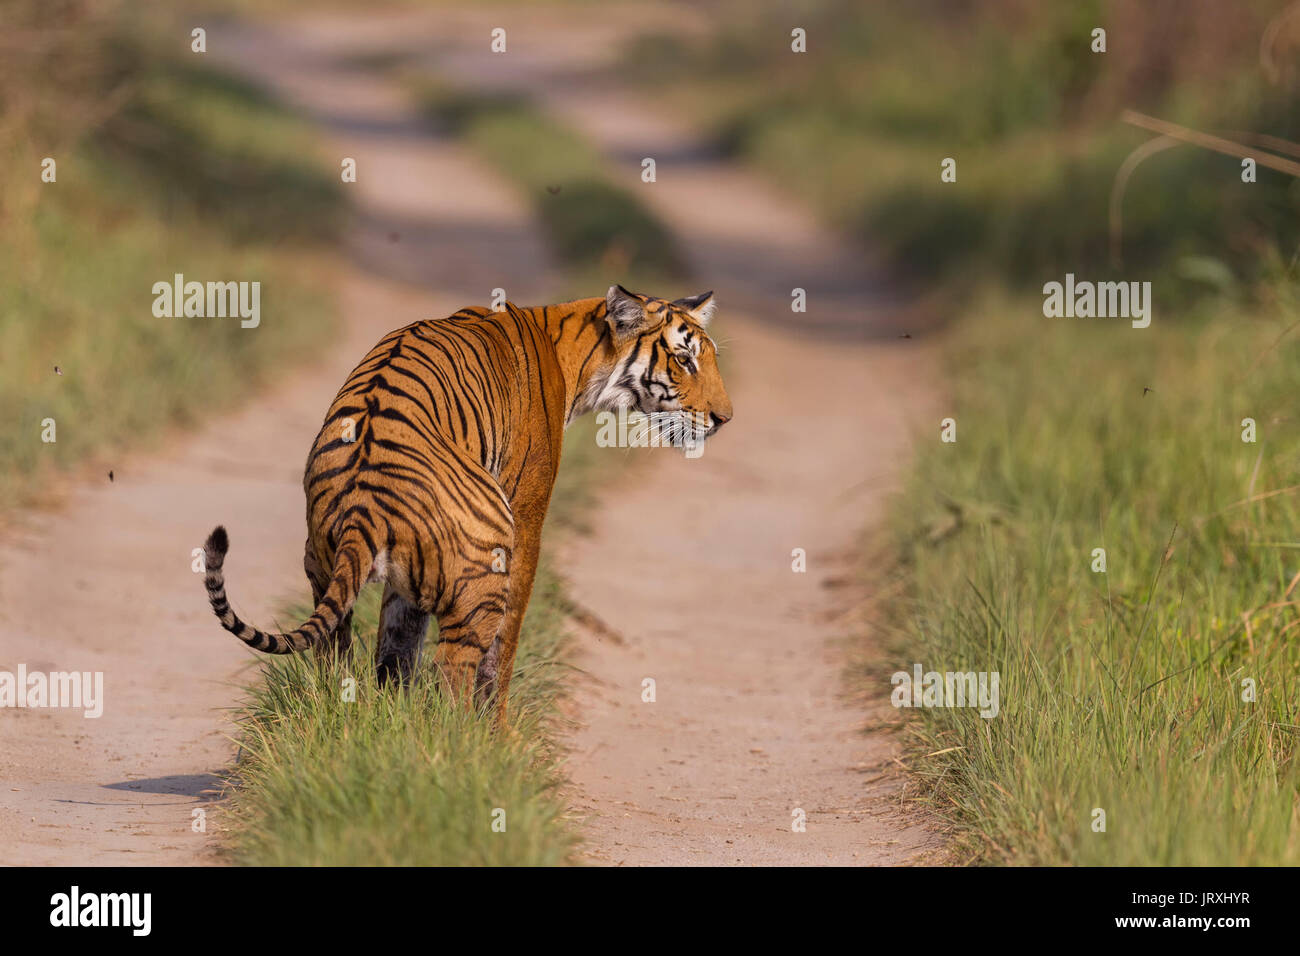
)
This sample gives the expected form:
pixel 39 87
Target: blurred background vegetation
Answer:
pixel 595 227
pixel 162 167
pixel 1012 90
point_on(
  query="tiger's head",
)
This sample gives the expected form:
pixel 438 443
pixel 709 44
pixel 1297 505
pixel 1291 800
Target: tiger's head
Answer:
pixel 666 366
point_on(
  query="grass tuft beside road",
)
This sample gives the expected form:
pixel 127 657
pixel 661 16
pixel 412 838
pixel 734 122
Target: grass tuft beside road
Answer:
pixel 401 778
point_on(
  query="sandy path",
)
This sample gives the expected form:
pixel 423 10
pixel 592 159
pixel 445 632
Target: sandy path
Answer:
pixel 748 725
pixel 104 583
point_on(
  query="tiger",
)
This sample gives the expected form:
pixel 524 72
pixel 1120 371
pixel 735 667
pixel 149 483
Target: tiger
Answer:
pixel 434 468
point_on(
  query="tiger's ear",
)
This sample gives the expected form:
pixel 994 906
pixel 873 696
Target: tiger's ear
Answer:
pixel 699 306
pixel 625 311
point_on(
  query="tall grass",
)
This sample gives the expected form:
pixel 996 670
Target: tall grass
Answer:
pixel 401 778
pixel 1123 690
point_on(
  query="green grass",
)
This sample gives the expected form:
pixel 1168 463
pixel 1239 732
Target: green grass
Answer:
pixel 1119 690
pixel 401 778
pixel 185 171
pixel 595 227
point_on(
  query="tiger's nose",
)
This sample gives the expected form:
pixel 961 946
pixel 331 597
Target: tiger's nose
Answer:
pixel 718 420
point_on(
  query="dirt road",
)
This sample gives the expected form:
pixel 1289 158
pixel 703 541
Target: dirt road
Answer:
pixel 747 727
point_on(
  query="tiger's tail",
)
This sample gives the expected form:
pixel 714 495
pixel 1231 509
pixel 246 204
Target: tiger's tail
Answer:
pixel 352 563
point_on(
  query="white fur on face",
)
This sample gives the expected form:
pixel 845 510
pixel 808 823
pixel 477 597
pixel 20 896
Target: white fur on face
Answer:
pixel 682 338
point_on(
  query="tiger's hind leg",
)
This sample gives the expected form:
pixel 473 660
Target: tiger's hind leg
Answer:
pixel 319 576
pixel 485 681
pixel 473 557
pixel 402 626
pixel 466 633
